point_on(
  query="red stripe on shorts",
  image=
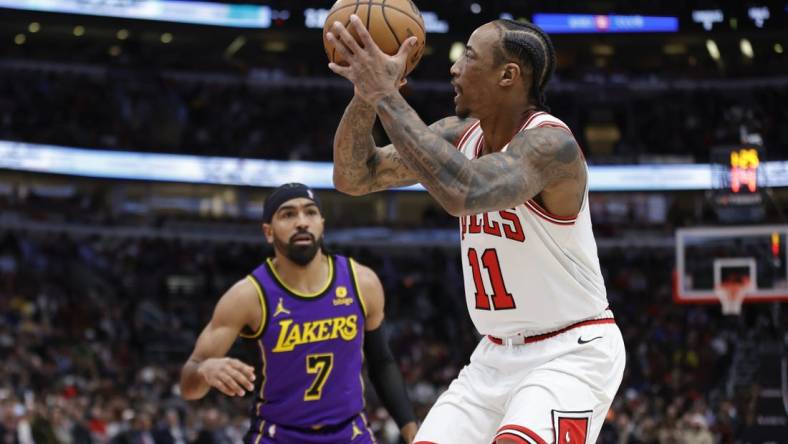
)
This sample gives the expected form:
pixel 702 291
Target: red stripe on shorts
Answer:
pixel 516 432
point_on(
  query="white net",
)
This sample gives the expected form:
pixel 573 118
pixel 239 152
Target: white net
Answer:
pixel 731 295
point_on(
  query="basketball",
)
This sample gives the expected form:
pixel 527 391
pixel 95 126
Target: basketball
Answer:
pixel 390 22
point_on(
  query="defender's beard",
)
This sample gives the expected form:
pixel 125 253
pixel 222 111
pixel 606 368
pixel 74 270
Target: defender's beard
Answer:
pixel 300 254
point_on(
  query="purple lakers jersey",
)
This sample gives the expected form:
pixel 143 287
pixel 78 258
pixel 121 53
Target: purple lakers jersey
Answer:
pixel 310 346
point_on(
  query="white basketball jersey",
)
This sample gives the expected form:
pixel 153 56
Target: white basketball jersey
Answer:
pixel 526 270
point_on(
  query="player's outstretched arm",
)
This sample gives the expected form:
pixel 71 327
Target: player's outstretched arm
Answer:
pixel 362 168
pixel 207 366
pixel 359 166
pixel 546 160
pixel 537 160
pixel 383 370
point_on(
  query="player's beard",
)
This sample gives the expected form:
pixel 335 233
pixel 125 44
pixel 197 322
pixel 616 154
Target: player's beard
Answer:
pixel 299 254
pixel 460 109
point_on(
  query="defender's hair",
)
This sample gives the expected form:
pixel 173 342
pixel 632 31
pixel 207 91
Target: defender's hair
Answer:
pixel 528 45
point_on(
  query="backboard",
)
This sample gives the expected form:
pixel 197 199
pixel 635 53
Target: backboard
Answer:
pixel 709 257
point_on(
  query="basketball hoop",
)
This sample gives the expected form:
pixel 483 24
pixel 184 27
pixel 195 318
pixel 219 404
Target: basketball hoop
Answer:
pixel 732 293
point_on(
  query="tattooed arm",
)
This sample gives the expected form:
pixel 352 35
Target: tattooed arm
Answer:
pixel 362 168
pixel 540 160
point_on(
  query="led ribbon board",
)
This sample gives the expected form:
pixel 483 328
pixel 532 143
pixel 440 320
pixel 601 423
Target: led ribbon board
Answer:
pixel 195 12
pixel 269 173
pixel 589 23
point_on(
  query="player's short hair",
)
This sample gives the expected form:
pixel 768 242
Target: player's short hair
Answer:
pixel 527 44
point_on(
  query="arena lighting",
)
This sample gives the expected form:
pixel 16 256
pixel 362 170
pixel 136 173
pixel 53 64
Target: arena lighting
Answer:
pixel 759 15
pixel 457 48
pixel 34 27
pixel 20 39
pixel 476 8
pixel 674 49
pixel 714 51
pixel 166 38
pixel 746 48
pixel 588 23
pixel 315 17
pixel 177 11
pixel 433 23
pixel 128 165
pixel 235 46
pixel 603 50
pixel 778 48
pixel 275 45
pixel 122 34
pixel 707 17
pixel 79 31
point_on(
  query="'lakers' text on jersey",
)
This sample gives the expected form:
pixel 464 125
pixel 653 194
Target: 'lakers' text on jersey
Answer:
pixel 524 268
pixel 310 348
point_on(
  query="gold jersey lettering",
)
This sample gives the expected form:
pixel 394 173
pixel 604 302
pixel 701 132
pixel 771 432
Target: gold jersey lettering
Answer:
pixel 294 334
pixel 310 332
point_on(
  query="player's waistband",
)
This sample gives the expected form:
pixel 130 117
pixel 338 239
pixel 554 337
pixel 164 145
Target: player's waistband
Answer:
pixel 529 337
pixel 260 424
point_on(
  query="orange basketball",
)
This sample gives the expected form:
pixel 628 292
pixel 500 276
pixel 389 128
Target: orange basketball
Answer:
pixel 390 22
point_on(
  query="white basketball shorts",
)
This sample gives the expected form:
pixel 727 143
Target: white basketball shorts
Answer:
pixel 556 389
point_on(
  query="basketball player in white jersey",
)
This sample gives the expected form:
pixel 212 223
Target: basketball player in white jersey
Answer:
pixel 552 357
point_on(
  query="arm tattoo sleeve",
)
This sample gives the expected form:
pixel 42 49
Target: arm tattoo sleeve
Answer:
pixel 534 159
pixel 359 166
pixel 353 145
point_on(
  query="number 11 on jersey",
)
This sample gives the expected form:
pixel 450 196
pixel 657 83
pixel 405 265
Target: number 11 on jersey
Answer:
pixel 501 299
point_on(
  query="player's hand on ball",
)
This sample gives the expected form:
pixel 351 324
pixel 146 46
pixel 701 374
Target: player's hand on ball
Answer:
pixel 229 376
pixel 374 73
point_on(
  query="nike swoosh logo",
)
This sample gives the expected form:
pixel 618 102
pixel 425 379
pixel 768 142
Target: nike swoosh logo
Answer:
pixel 582 341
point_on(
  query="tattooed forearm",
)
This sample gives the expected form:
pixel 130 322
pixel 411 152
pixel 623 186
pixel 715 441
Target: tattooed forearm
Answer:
pixel 493 182
pixel 359 166
pixel 437 164
pixel 353 144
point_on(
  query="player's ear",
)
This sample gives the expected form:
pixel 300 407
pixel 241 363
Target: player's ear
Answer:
pixel 268 232
pixel 510 74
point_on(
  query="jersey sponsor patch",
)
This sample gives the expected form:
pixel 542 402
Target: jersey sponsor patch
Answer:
pixel 341 297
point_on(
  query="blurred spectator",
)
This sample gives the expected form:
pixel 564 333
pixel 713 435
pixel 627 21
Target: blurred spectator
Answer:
pixel 144 112
pixel 91 343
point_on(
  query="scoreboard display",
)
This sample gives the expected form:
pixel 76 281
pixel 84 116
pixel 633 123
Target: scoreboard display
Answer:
pixel 738 183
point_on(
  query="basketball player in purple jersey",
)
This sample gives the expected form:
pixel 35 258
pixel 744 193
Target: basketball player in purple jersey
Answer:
pixel 309 314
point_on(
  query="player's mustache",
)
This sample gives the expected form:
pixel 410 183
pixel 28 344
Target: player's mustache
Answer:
pixel 300 235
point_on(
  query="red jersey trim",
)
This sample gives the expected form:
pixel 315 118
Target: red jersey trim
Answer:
pixel 555 125
pixel 478 149
pixel 542 337
pixel 465 135
pixel 531 118
pixel 546 215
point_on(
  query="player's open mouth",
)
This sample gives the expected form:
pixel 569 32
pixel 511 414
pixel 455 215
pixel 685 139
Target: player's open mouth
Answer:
pixel 302 239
